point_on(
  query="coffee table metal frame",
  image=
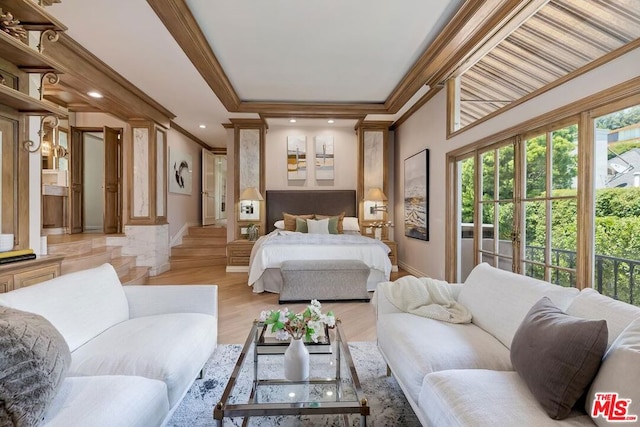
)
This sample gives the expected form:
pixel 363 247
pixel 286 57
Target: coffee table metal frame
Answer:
pixel 224 409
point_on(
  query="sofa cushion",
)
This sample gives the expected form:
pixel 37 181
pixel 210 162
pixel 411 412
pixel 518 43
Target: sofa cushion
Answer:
pixel 557 355
pixel 108 401
pixel 80 305
pixel 33 360
pixel 499 300
pixel 590 304
pixel 619 373
pixel 415 346
pixel 484 398
pixel 170 347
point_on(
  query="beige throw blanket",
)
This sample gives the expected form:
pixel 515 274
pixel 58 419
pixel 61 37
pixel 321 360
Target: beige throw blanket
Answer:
pixel 426 297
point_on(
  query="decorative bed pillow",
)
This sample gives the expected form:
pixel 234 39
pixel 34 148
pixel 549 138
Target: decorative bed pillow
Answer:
pixel 279 224
pixel 290 220
pixel 301 225
pixel 318 226
pixel 33 360
pixel 340 220
pixel 557 355
pixel 619 373
pixel 350 223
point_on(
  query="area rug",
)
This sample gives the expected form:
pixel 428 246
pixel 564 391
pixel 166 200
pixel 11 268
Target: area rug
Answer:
pixel 388 405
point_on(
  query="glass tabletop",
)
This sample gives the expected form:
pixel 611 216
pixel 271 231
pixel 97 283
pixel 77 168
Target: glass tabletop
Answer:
pixel 257 388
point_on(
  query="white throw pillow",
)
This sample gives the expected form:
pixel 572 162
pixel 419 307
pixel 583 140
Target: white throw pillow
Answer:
pixel 279 224
pixel 318 226
pixel 619 373
pixel 350 223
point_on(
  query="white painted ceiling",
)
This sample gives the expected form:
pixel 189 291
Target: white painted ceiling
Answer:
pixel 275 50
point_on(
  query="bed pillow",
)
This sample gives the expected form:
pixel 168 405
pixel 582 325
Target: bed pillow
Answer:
pixel 350 223
pixel 340 220
pixel 279 224
pixel 318 226
pixel 34 358
pixel 290 220
pixel 557 355
pixel 301 225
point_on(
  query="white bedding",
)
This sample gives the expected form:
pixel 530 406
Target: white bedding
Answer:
pixel 272 250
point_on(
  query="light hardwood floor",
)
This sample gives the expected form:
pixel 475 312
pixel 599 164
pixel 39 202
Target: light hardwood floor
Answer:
pixel 238 306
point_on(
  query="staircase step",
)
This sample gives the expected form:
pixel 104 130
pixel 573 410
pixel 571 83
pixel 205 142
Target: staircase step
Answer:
pixel 188 262
pixel 208 230
pixel 93 258
pixel 135 276
pixel 123 264
pixel 204 240
pixel 198 251
pixel 70 248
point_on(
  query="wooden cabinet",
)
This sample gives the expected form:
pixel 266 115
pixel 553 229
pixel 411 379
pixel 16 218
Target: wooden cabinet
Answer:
pixel 393 255
pixel 26 273
pixel 238 253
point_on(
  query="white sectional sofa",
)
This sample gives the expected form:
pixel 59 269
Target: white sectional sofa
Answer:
pixel 135 350
pixel 462 375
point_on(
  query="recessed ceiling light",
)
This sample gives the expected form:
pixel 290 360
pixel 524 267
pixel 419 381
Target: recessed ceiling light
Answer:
pixel 203 126
pixel 94 94
pixel 330 121
pixel 292 121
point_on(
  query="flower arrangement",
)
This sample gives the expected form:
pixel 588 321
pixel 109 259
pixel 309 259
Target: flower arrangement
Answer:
pixel 381 224
pixel 307 323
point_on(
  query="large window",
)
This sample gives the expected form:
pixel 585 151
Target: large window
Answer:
pixel 559 202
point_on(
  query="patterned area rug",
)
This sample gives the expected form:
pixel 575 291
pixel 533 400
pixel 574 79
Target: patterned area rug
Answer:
pixel 388 405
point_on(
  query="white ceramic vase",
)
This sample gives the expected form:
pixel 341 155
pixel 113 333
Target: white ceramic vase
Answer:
pixel 296 361
pixel 378 233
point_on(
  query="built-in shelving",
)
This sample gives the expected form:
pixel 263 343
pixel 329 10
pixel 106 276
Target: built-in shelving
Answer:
pixel 29 105
pixel 25 57
pixel 31 15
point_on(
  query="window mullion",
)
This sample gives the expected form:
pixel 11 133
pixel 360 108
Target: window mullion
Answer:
pixel 548 213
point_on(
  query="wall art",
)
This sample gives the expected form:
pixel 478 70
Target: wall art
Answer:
pixel 180 172
pixel 324 158
pixel 296 158
pixel 416 196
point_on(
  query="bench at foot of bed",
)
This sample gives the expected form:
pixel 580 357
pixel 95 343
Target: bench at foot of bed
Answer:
pixel 324 280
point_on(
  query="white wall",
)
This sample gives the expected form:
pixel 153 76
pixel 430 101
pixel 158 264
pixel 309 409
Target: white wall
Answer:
pixel 427 129
pixel 184 210
pixel 345 146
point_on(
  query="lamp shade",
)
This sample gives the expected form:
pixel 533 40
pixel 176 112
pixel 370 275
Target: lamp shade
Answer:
pixel 251 193
pixel 375 194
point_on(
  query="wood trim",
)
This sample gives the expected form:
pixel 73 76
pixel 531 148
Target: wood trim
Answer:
pixel 178 19
pixel 248 123
pixel 415 107
pixel 451 209
pixel 607 96
pixel 585 203
pixel 336 110
pixel 344 116
pixel 173 125
pixel 580 71
pixel 228 125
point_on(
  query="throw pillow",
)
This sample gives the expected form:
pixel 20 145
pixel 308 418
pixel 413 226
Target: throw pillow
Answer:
pixel 350 223
pixel 279 224
pixel 557 355
pixel 301 225
pixel 320 226
pixel 619 373
pixel 290 220
pixel 33 360
pixel 340 220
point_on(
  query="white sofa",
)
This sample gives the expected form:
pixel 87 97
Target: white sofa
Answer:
pixel 461 374
pixel 135 350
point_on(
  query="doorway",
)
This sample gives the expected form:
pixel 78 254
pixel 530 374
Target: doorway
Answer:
pixel 214 188
pixel 95 187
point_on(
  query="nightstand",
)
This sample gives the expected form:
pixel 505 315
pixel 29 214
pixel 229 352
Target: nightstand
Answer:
pixel 238 254
pixel 393 255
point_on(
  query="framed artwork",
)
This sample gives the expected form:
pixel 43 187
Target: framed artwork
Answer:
pixel 180 171
pixel 324 158
pixel 416 196
pixel 296 158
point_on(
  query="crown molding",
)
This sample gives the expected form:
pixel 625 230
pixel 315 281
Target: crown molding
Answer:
pixel 183 131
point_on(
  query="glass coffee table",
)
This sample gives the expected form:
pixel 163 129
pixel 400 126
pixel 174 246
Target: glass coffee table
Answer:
pixel 256 387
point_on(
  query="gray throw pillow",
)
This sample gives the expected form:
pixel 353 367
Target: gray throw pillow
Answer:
pixel 33 360
pixel 557 355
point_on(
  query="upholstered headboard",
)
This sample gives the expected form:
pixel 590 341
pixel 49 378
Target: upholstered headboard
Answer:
pixel 324 202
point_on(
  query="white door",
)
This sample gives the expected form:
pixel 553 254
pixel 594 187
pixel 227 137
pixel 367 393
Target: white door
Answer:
pixel 208 188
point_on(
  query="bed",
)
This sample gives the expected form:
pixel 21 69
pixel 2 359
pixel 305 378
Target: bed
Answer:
pixel 278 246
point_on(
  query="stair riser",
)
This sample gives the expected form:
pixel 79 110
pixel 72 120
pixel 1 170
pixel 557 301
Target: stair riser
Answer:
pixel 196 262
pixel 208 231
pixel 72 265
pixel 70 248
pixel 204 241
pixel 198 252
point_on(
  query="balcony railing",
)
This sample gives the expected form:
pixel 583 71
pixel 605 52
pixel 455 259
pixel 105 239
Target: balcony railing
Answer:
pixel 614 277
